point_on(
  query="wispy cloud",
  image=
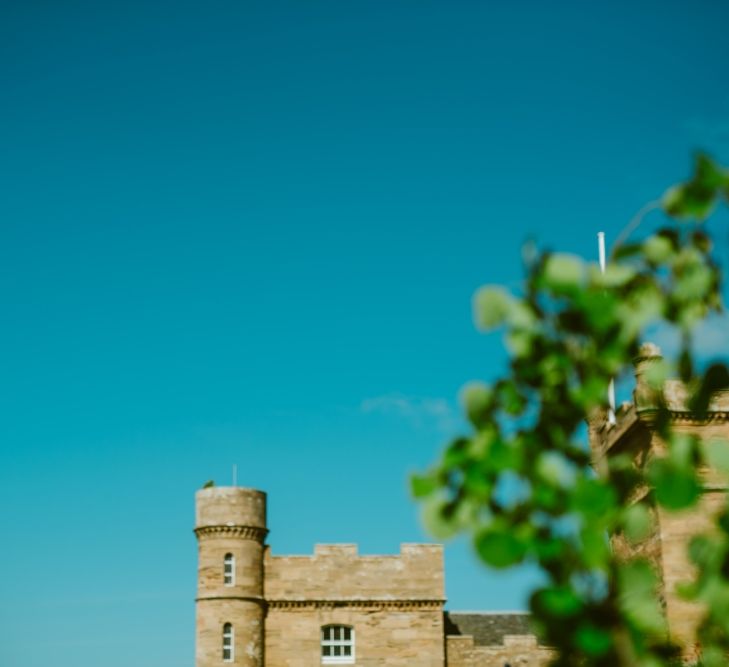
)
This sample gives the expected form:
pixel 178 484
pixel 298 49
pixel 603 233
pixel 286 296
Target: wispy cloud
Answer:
pixel 420 411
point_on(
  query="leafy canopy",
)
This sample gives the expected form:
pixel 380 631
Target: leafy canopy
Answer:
pixel 521 483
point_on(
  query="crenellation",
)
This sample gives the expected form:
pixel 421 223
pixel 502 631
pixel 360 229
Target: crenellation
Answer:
pixel 415 574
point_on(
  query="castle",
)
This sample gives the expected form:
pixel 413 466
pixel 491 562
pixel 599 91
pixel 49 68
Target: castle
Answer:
pixel 254 609
pixel 333 607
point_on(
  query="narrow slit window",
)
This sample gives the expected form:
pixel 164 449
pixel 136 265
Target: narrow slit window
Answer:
pixel 228 643
pixel 337 645
pixel 229 570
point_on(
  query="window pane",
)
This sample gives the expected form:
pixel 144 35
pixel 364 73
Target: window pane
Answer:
pixel 336 650
pixel 328 633
pixel 347 633
pixel 326 650
pixel 226 654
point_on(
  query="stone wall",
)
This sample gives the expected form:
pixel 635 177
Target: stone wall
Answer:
pixel 383 635
pixel 515 651
pixel 337 572
pixel 393 603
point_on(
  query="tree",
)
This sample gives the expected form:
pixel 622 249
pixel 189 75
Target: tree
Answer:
pixel 521 483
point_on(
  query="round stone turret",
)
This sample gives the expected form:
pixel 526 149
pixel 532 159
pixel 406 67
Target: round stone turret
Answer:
pixel 646 396
pixel 230 525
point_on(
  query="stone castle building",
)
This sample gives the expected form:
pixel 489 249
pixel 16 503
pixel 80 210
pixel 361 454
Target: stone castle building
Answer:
pixel 635 435
pixel 335 607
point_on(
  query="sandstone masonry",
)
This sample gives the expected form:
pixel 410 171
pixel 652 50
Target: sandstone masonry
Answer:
pixel 255 609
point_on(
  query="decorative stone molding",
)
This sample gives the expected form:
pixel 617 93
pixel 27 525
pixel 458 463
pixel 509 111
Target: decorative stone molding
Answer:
pixel 244 532
pixel 690 418
pixel 259 601
pixel 401 605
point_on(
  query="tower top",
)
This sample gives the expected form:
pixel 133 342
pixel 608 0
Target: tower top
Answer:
pixel 230 506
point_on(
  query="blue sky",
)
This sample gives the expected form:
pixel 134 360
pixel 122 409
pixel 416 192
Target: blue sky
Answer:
pixel 249 233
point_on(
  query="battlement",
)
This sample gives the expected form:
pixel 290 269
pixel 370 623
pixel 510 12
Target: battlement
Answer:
pixel 338 572
pixel 230 506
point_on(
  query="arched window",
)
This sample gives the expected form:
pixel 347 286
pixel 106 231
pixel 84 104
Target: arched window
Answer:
pixel 229 570
pixel 228 643
pixel 337 645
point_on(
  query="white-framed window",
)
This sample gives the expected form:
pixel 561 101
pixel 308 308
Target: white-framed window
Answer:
pixel 228 643
pixel 337 645
pixel 229 570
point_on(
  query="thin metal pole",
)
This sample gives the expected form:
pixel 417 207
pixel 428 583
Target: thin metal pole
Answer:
pixel 611 386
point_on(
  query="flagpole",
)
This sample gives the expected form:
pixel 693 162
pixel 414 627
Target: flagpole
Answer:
pixel 611 386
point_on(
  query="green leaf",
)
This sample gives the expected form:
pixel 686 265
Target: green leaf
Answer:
pixel 616 275
pixel 491 305
pixel 520 315
pixel 554 469
pixel 656 374
pixel 713 656
pixel 706 551
pixel 512 400
pixel 423 485
pixel 592 640
pixel 689 202
pixel 477 483
pixel 439 518
pixel 477 399
pixel 638 585
pixel 637 578
pixel 715 378
pixel 560 601
pixel 593 498
pixel 708 173
pixel 564 272
pixel 682 450
pixel 676 488
pixel 519 342
pixel 637 522
pixel 694 283
pixel 595 546
pixel 505 455
pixel 696 198
pixel 626 250
pixel 658 249
pixel 716 453
pixel 498 547
pixel 456 453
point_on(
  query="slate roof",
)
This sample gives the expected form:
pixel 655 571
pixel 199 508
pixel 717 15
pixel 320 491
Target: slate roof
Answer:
pixel 487 629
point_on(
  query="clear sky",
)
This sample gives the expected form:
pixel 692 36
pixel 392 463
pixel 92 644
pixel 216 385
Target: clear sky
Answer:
pixel 249 232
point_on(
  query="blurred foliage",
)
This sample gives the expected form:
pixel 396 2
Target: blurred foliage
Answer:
pixel 521 483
